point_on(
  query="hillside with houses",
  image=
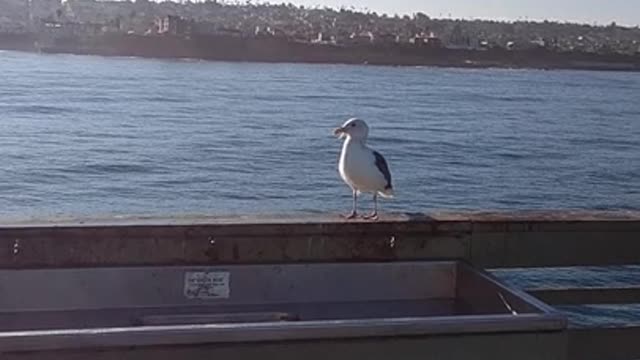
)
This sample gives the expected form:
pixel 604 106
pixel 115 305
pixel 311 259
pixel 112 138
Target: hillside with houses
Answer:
pixel 338 26
pixel 285 32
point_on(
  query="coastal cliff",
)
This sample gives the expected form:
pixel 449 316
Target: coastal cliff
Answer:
pixel 233 48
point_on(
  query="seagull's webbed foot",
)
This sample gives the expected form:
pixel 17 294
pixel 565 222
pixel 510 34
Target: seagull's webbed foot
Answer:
pixel 372 216
pixel 350 216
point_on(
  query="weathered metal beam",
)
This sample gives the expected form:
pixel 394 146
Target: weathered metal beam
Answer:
pixel 592 295
pixel 490 240
pixel 534 346
pixel 517 249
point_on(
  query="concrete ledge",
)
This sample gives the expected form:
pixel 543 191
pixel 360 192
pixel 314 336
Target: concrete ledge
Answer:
pixel 476 217
pixel 486 239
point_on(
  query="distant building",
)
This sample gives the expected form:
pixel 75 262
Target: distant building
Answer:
pixel 59 29
pixel 538 43
pixel 486 45
pixel 365 37
pixel 268 32
pixel 324 39
pixel 430 40
pixel 387 38
pixel 173 25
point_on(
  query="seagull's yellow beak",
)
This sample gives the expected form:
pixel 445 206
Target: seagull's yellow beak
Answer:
pixel 339 132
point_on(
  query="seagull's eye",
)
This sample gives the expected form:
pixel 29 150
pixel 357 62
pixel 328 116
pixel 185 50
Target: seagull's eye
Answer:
pixel 353 125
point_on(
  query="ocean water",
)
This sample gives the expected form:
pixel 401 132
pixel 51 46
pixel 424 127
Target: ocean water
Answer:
pixel 94 136
pixel 91 136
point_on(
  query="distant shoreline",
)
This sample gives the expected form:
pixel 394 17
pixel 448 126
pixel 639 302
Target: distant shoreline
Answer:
pixel 227 48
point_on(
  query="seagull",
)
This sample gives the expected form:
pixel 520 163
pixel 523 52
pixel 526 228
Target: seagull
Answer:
pixel 363 169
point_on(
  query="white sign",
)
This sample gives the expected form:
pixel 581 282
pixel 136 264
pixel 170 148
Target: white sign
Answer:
pixel 206 284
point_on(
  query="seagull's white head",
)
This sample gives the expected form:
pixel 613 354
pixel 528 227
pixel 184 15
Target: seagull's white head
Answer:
pixel 355 128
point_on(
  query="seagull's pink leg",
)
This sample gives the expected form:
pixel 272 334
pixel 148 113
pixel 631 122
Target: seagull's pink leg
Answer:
pixel 374 214
pixel 354 212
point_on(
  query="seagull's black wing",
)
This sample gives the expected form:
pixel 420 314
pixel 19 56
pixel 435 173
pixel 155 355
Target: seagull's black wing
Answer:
pixel 381 164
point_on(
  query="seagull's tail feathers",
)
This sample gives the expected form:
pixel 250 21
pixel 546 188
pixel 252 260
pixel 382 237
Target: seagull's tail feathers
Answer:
pixel 387 193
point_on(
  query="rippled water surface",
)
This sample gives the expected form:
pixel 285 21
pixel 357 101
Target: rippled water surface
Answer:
pixel 96 136
pixel 90 136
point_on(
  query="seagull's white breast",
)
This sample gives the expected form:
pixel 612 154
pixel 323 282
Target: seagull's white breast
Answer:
pixel 358 168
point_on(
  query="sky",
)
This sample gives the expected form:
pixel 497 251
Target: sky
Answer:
pixel 623 12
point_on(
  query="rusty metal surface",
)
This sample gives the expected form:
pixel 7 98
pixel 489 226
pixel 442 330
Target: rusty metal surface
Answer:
pixel 485 239
pixel 546 346
pixel 135 287
pixel 112 307
pixel 67 246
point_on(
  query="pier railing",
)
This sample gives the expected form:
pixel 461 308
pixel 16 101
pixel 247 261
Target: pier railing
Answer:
pixel 486 240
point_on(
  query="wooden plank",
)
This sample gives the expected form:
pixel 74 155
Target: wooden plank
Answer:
pixel 604 343
pixel 593 295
